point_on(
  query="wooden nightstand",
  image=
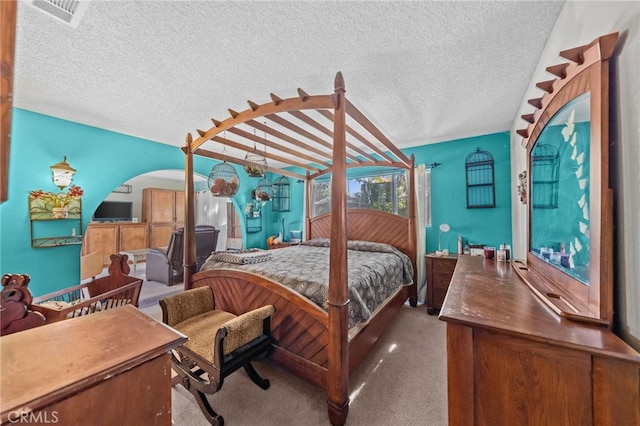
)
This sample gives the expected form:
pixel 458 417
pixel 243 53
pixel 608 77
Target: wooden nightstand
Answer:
pixel 439 272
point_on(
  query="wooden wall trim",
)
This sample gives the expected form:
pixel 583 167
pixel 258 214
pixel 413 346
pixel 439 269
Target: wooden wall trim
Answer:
pixel 8 11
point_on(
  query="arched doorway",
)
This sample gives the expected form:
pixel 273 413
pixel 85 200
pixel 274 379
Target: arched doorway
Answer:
pixel 110 235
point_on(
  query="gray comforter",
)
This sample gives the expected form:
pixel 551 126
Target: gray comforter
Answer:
pixel 375 272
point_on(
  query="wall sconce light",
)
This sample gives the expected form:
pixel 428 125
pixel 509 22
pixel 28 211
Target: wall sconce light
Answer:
pixel 62 173
pixel 443 228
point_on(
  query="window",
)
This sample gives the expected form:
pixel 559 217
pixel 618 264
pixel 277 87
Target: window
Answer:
pixel 375 191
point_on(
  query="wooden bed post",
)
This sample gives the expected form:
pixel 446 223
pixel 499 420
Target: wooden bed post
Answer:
pixel 307 217
pixel 413 291
pixel 338 371
pixel 189 250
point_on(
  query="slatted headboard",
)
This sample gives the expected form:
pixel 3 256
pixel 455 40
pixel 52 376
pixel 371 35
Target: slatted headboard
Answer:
pixel 370 225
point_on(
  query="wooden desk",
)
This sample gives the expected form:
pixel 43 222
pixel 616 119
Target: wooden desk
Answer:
pixel 512 360
pixel 112 367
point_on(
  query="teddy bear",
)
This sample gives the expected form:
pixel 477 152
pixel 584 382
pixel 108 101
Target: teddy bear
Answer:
pixel 15 300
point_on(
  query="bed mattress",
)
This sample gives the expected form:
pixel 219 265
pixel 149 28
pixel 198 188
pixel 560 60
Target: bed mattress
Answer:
pixel 375 271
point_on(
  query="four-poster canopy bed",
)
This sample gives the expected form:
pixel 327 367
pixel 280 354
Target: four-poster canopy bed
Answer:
pixel 322 135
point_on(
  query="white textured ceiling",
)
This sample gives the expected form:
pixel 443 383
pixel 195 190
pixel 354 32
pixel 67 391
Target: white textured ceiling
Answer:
pixel 421 71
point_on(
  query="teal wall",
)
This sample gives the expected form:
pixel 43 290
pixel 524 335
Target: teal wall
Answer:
pixel 488 226
pixel 105 159
pixel 272 221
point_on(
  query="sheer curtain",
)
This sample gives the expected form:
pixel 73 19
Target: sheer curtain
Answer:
pixel 212 211
pixel 423 219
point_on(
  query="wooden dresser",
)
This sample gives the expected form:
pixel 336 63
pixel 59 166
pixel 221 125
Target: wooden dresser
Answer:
pixel 112 367
pixel 512 360
pixel 439 272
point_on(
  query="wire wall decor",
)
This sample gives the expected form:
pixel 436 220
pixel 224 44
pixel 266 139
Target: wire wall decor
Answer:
pixel 480 178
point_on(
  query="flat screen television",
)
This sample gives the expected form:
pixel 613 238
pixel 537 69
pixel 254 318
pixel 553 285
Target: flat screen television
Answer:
pixel 114 211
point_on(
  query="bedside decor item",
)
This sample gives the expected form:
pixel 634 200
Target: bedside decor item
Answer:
pixel 62 173
pixel 476 249
pixel 489 253
pixel 443 229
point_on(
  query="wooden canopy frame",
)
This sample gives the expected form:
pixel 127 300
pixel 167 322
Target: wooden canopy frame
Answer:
pixel 320 134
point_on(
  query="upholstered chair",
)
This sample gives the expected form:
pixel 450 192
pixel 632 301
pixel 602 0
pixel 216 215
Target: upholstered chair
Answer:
pixel 165 265
pixel 219 343
pixel 206 243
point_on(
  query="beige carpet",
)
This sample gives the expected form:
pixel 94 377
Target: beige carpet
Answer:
pixel 401 381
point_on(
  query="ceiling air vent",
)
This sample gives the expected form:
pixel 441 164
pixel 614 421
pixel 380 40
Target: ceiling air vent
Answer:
pixel 69 11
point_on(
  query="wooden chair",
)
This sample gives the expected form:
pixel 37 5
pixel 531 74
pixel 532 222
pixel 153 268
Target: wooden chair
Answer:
pixel 219 343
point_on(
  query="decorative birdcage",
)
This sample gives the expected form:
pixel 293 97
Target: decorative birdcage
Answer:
pixel 481 191
pixel 255 163
pixel 264 190
pixel 223 180
pixel 545 176
pixel 281 194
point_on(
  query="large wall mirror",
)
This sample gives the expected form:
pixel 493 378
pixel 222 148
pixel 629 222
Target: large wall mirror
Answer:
pixel 560 184
pixel 569 261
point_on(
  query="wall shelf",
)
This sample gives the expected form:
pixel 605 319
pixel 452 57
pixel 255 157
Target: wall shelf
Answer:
pixel 48 231
pixel 254 223
pixel 55 241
